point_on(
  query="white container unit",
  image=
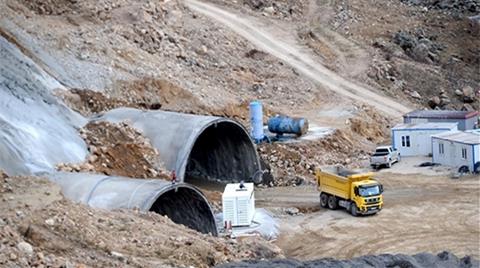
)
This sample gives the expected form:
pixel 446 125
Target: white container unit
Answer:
pixel 416 139
pixel 457 149
pixel 238 204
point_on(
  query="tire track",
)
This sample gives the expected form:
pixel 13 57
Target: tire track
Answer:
pixel 293 54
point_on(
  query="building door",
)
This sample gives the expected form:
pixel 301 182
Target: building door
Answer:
pixel 453 154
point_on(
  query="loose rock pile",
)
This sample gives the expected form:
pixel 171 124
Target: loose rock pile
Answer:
pixel 283 8
pixel 287 165
pixel 118 149
pixel 467 95
pixel 422 260
pixel 293 164
pixel 463 6
pixel 419 46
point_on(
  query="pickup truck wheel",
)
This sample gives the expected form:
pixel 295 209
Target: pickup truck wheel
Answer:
pixel 389 164
pixel 323 200
pixel 354 210
pixel 332 202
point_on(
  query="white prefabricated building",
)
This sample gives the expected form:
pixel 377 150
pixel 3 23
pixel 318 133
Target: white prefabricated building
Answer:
pixel 457 149
pixel 416 139
pixel 238 201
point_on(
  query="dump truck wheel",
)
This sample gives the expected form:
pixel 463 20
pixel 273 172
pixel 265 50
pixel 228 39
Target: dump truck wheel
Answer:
pixel 354 210
pixel 332 202
pixel 323 200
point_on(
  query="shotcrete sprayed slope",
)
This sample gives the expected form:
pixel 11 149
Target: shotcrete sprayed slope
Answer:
pixel 36 131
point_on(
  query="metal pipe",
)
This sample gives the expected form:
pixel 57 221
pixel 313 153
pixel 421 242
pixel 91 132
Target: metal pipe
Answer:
pixel 181 202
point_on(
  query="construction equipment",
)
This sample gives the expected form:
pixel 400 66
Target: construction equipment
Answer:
pixel 238 201
pixel 358 193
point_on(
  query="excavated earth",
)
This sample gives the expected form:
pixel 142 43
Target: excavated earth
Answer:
pixel 40 228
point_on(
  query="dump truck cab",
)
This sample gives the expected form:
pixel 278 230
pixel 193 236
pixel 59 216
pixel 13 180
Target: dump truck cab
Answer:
pixel 358 193
pixel 367 196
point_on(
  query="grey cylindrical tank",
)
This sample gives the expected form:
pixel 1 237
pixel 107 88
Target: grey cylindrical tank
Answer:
pixel 181 202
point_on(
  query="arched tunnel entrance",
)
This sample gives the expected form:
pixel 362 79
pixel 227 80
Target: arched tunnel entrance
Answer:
pixel 188 207
pixel 182 203
pixel 200 149
pixel 223 152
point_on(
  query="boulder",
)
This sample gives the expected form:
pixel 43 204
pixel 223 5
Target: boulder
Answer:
pixel 26 248
pixel 415 95
pixel 445 101
pixel 467 107
pixel 405 40
pixel 434 102
pixel 269 10
pixel 467 91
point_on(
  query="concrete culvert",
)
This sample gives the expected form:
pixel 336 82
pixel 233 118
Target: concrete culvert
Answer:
pixel 186 206
pixel 198 148
pixel 182 203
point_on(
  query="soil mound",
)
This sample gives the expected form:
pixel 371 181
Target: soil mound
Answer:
pixel 118 149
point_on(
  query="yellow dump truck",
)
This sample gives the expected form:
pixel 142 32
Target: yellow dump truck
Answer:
pixel 358 193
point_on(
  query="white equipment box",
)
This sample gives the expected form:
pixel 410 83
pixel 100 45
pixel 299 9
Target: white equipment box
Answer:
pixel 238 204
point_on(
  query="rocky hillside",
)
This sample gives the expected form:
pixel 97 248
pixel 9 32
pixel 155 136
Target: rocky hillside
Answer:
pixel 426 52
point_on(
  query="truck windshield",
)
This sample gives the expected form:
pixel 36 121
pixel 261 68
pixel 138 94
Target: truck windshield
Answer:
pixel 369 190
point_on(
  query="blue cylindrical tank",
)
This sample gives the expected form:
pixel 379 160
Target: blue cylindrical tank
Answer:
pixel 281 124
pixel 256 120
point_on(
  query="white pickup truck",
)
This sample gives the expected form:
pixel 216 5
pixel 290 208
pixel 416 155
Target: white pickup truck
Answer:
pixel 384 156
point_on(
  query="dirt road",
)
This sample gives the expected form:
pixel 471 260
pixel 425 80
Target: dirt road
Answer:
pixel 277 42
pixel 422 214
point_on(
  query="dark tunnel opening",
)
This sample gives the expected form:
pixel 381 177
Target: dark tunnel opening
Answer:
pixel 222 153
pixel 186 206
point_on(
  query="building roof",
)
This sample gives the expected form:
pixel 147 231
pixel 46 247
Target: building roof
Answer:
pixel 441 114
pixel 460 136
pixel 425 126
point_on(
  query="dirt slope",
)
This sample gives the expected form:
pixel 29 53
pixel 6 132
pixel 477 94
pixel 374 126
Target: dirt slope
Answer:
pixel 292 54
pixel 426 52
pixel 39 228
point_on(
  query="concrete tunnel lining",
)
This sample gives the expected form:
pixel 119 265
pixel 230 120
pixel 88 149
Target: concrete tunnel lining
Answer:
pixel 181 202
pixel 222 152
pixel 186 141
pixel 184 205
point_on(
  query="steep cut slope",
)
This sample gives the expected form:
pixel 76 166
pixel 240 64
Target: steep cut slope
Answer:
pixel 36 130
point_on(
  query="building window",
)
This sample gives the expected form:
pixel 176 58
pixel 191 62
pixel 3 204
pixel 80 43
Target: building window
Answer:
pixel 464 153
pixel 441 149
pixel 405 141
